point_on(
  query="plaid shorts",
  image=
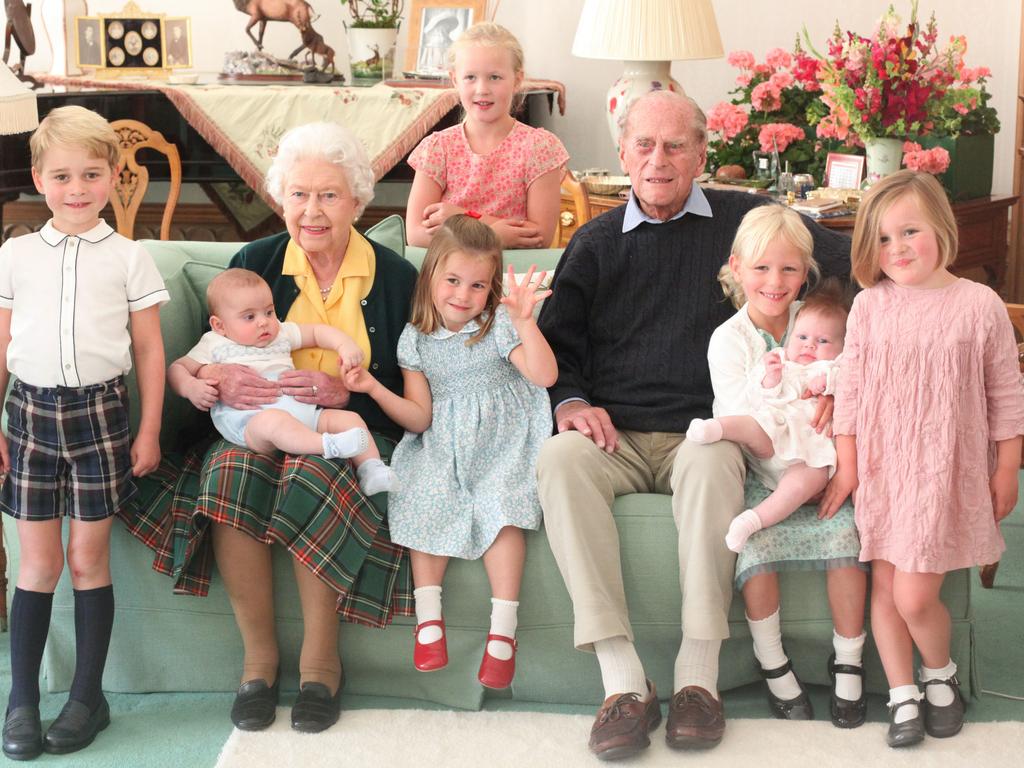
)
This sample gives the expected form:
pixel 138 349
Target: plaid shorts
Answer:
pixel 70 451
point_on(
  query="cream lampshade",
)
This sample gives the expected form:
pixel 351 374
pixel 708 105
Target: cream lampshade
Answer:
pixel 648 35
pixel 18 111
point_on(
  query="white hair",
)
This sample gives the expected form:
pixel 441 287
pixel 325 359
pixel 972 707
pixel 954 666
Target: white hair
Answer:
pixel 331 143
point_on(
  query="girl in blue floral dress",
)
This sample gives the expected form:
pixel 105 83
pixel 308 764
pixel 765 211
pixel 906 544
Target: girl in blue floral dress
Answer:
pixel 475 411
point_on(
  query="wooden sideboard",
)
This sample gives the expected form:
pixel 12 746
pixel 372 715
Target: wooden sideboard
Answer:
pixel 983 226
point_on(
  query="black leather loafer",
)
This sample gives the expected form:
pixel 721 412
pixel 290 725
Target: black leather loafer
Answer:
pixel 255 705
pixel 908 732
pixel 76 727
pixel 943 722
pixel 846 713
pixel 23 734
pixel 788 709
pixel 315 709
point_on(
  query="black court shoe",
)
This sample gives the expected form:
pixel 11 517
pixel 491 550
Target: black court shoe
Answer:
pixel 255 705
pixel 76 727
pixel 23 733
pixel 787 709
pixel 315 709
pixel 846 713
pixel 943 722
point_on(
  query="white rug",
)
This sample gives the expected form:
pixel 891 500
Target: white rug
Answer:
pixel 428 739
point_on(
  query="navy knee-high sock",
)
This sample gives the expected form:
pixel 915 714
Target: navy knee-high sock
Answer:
pixel 94 619
pixel 30 623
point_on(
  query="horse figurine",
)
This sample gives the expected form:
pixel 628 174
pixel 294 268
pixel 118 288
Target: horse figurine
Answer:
pixel 298 12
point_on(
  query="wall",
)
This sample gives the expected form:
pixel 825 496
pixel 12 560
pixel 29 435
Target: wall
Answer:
pixel 546 29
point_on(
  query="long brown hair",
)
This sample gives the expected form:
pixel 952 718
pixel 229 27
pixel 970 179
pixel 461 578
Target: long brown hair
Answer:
pixel 473 239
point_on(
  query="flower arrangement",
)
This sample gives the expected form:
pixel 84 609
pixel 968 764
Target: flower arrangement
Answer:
pixel 768 113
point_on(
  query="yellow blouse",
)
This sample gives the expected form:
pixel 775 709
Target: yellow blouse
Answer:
pixel 343 307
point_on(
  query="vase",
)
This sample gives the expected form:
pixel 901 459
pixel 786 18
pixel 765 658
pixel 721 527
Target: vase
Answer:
pixel 883 157
pixel 970 164
pixel 371 53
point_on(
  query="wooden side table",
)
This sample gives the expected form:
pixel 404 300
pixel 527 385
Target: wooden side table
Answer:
pixel 982 224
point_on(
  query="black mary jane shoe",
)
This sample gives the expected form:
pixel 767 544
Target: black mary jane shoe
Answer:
pixel 23 733
pixel 315 709
pixel 847 713
pixel 255 705
pixel 909 732
pixel 76 726
pixel 943 722
pixel 787 709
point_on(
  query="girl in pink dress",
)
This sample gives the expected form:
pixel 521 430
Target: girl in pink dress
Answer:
pixel 490 166
pixel 929 413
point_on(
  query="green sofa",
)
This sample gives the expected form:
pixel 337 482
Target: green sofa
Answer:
pixel 166 642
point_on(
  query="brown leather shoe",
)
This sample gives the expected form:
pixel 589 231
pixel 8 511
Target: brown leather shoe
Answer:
pixel 622 724
pixel 696 719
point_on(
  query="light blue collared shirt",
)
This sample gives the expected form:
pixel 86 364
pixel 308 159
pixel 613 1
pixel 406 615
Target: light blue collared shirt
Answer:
pixel 696 203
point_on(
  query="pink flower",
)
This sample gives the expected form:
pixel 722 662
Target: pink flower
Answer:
pixel 961 108
pixel 782 79
pixel 934 160
pixel 766 97
pixel 778 59
pixel 741 59
pixel 778 136
pixel 968 75
pixel 743 79
pixel 727 119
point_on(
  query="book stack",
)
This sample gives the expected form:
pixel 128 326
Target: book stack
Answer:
pixel 819 207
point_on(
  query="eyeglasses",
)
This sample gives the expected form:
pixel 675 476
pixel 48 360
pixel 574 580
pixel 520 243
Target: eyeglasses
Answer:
pixel 298 198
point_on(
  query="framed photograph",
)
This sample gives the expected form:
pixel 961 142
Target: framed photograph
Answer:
pixel 178 42
pixel 844 171
pixel 433 26
pixel 89 42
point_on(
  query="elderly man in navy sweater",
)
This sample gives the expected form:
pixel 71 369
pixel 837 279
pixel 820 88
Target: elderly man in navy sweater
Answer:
pixel 636 298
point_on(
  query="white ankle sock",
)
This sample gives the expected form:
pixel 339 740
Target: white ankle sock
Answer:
pixel 344 445
pixel 376 477
pixel 905 693
pixel 428 608
pixel 504 620
pixel 704 431
pixel 697 664
pixel 742 527
pixel 939 695
pixel 849 650
pixel 767 636
pixel 621 670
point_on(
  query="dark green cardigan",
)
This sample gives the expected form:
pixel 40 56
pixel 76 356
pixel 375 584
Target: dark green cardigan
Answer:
pixel 385 309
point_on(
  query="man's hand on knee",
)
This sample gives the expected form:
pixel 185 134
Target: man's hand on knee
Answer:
pixel 588 420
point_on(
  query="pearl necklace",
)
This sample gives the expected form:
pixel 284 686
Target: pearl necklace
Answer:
pixel 325 292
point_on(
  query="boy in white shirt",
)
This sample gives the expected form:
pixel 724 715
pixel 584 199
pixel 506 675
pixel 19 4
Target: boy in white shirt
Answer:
pixel 76 299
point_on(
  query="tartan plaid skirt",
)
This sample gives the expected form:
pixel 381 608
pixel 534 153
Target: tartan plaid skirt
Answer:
pixel 310 505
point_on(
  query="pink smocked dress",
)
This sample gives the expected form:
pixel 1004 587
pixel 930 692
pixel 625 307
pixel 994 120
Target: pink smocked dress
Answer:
pixel 929 381
pixel 495 183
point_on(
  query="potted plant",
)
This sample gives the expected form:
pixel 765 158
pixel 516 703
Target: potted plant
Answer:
pixel 372 37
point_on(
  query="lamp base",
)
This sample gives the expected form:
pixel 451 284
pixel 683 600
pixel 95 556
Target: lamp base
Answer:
pixel 638 78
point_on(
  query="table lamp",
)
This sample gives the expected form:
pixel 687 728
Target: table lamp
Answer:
pixel 648 35
pixel 18 111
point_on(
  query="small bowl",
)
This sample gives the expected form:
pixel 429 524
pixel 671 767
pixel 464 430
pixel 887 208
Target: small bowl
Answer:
pixel 183 79
pixel 605 185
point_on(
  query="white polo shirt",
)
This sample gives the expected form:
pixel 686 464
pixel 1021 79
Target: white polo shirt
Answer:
pixel 70 297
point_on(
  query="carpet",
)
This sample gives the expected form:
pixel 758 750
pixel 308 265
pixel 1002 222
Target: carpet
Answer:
pixel 398 738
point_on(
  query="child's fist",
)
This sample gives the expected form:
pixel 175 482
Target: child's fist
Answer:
pixel 202 393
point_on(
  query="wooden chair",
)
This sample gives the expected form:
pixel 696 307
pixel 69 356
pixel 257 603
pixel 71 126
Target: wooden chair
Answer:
pixel 134 178
pixel 1016 312
pixel 581 212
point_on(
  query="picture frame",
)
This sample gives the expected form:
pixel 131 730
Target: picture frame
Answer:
pixel 433 26
pixel 844 171
pixel 178 42
pixel 132 43
pixel 88 42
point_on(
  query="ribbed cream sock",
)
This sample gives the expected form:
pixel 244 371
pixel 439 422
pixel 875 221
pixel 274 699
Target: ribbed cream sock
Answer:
pixel 428 608
pixel 849 650
pixel 504 620
pixel 697 664
pixel 905 693
pixel 621 669
pixel 939 695
pixel 767 636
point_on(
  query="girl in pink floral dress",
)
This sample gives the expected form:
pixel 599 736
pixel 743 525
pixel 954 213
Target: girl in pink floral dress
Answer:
pixel 490 166
pixel 928 417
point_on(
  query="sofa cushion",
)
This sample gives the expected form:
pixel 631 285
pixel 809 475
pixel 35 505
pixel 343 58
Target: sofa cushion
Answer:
pixel 390 233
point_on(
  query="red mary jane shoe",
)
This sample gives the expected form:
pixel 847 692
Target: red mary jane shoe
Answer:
pixel 427 657
pixel 498 673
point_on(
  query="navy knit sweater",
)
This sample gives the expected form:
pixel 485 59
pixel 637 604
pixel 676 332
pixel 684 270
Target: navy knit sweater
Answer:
pixel 632 314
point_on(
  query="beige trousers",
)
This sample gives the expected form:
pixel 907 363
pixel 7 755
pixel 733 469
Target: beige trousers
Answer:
pixel 578 483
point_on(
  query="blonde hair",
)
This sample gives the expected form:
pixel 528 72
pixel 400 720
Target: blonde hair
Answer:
pixel 79 128
pixel 233 279
pixel 931 199
pixel 473 239
pixel 756 232
pixel 489 34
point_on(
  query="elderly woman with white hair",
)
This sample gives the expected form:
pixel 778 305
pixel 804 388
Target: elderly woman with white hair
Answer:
pixel 321 270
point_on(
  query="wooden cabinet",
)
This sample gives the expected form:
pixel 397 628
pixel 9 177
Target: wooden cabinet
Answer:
pixel 982 224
